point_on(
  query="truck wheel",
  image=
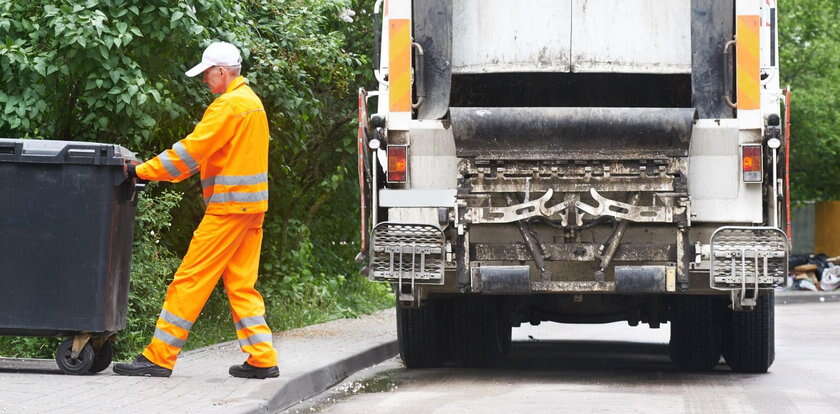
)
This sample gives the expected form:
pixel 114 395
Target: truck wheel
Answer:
pixel 75 366
pixel 696 334
pixel 476 336
pixel 748 341
pixel 419 335
pixel 505 331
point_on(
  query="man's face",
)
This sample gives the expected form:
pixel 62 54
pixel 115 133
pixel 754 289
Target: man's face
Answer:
pixel 216 79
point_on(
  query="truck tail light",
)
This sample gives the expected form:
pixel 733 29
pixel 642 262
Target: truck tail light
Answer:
pixel 752 164
pixel 397 163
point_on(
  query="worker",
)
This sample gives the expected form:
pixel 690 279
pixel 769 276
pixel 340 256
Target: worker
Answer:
pixel 229 147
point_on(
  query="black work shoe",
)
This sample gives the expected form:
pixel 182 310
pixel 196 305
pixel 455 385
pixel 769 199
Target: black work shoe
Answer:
pixel 247 370
pixel 142 367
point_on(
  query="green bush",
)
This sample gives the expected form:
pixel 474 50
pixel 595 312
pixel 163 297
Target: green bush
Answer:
pixel 152 268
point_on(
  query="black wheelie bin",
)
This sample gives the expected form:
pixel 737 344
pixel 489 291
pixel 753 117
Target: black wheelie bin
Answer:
pixel 66 230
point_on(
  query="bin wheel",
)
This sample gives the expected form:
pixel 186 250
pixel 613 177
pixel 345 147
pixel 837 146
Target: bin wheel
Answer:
pixel 102 357
pixel 74 366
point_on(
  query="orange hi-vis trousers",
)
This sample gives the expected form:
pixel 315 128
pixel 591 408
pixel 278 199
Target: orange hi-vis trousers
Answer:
pixel 225 246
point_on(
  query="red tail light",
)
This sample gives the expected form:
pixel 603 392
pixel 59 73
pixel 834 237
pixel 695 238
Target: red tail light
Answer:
pixel 397 163
pixel 751 163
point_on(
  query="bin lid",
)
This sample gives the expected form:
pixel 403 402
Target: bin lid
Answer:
pixel 63 152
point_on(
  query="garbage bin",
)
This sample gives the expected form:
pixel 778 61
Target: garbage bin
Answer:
pixel 66 230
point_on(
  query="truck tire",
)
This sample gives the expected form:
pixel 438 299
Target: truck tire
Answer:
pixel 476 338
pixel 748 340
pixel 505 336
pixel 419 335
pixel 505 328
pixel 696 335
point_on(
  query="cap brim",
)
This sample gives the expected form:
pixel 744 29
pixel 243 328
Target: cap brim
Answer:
pixel 198 69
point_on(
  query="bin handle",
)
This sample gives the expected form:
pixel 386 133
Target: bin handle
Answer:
pixel 11 148
pixel 136 189
pixel 95 153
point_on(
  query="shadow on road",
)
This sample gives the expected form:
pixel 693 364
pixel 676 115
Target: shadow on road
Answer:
pixel 574 362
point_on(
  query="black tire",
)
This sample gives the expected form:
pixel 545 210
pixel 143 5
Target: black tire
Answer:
pixel 75 366
pixel 419 335
pixel 749 337
pixel 696 335
pixel 505 331
pixel 476 339
pixel 102 357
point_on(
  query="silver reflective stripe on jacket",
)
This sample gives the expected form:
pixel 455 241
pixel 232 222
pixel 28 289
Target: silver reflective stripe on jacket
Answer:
pixel 176 320
pixel 255 339
pixel 235 180
pixel 169 339
pixel 185 156
pixel 249 322
pixel 238 197
pixel 169 165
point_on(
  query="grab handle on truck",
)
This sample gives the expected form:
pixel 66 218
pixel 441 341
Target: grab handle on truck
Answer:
pixel 727 78
pixel 419 81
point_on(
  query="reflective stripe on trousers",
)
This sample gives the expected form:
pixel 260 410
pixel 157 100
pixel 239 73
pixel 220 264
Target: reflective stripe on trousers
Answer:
pixel 165 332
pixel 227 247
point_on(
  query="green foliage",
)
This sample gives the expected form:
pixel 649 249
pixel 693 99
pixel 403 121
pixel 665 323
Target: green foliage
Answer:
pixel 152 267
pixel 113 71
pixel 810 63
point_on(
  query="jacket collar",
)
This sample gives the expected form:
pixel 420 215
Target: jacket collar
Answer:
pixel 237 82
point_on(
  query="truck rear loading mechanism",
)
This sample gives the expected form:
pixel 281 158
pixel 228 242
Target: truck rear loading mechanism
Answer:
pixel 577 161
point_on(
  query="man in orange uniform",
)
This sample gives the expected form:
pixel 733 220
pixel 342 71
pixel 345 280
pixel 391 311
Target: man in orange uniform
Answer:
pixel 230 149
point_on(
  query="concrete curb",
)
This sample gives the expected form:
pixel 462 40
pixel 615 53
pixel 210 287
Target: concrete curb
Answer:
pixel 319 380
pixel 797 297
pixel 29 365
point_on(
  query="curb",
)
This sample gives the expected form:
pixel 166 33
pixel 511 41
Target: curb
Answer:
pixel 319 380
pixel 39 365
pixel 793 297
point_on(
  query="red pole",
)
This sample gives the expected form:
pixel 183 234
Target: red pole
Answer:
pixel 789 227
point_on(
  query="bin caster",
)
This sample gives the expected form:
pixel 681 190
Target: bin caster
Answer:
pixel 78 365
pixel 102 356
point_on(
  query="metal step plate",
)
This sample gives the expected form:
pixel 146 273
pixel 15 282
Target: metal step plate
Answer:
pixel 407 253
pixel 748 258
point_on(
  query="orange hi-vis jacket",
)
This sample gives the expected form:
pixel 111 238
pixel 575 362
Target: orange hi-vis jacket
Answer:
pixel 230 148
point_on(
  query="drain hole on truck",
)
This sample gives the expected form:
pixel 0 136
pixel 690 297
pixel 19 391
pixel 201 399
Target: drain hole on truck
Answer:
pixel 571 90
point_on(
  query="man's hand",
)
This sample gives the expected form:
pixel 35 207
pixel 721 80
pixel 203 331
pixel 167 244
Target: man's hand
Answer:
pixel 130 171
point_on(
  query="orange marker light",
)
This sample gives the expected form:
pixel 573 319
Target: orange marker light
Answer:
pixel 751 165
pixel 397 163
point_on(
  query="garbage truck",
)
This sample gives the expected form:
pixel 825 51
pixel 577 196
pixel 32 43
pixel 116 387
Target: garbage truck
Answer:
pixel 577 161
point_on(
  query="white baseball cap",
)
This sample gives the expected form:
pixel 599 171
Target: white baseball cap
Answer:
pixel 217 54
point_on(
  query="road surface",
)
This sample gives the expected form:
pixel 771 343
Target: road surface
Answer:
pixel 612 368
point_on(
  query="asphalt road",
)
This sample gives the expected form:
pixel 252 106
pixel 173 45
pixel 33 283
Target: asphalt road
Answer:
pixel 613 368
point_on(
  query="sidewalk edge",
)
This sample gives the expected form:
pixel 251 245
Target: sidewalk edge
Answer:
pixel 790 298
pixel 319 380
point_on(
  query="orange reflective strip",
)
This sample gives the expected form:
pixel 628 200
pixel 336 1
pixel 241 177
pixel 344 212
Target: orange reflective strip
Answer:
pixel 748 62
pixel 399 65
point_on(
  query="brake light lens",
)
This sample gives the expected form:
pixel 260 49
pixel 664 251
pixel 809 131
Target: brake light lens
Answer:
pixel 397 163
pixel 751 163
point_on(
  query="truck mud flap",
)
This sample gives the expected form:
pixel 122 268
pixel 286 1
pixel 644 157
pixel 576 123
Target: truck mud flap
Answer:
pixel 572 133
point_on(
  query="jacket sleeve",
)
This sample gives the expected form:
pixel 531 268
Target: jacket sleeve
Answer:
pixel 184 159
